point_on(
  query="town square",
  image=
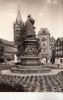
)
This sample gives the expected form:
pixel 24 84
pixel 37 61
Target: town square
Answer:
pixel 31 60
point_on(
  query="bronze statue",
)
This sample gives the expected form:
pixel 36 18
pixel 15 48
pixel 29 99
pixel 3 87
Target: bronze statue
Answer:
pixel 29 26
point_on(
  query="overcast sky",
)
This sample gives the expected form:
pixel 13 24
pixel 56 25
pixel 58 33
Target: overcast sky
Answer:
pixel 47 13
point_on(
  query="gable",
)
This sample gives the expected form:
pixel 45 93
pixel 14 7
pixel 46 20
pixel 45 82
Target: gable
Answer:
pixel 58 42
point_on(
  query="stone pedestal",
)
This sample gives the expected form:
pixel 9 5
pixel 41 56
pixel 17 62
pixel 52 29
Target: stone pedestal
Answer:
pixel 30 57
pixel 30 61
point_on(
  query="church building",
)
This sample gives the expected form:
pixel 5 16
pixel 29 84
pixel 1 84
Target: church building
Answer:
pixel 17 27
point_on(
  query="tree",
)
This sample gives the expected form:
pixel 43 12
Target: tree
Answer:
pixel 53 56
pixel 9 57
pixel 38 46
pixel 1 51
pixel 1 48
pixel 21 44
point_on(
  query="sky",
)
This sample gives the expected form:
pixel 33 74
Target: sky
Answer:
pixel 47 14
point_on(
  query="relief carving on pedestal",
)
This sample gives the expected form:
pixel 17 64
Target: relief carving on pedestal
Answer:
pixel 31 49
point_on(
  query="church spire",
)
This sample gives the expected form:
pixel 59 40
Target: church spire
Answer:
pixel 18 19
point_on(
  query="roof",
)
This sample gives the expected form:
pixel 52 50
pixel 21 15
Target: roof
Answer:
pixel 52 39
pixel 19 16
pixel 43 31
pixel 18 19
pixel 11 48
pixel 11 43
pixel 61 39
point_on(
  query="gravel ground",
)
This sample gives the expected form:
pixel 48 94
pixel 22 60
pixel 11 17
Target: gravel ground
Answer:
pixel 53 72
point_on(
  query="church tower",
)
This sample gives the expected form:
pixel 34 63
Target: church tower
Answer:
pixel 17 27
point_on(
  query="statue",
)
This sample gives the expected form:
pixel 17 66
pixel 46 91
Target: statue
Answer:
pixel 29 26
pixel 28 48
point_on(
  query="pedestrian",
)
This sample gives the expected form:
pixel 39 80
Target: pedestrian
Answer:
pixel 58 66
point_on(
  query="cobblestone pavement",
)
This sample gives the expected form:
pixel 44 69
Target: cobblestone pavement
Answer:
pixel 38 83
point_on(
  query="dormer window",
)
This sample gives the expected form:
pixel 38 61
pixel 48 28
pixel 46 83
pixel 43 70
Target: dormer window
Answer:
pixel 43 31
pixel 58 42
pixel 43 44
pixel 43 39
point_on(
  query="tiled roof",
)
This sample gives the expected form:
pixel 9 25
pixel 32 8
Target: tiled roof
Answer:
pixel 52 39
pixel 11 43
pixel 19 19
pixel 11 48
pixel 43 31
pixel 61 39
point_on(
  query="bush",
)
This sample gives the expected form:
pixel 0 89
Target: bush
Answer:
pixel 9 59
pixel 2 60
pixel 5 87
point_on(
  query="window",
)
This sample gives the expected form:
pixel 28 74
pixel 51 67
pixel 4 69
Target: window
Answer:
pixel 50 52
pixel 60 47
pixel 59 52
pixel 44 50
pixel 56 52
pixel 43 39
pixel 61 61
pixel 52 48
pixel 56 48
pixel 17 31
pixel 58 42
pixel 43 44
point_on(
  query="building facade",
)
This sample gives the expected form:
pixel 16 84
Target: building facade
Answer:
pixel 59 51
pixel 46 44
pixel 9 49
pixel 52 45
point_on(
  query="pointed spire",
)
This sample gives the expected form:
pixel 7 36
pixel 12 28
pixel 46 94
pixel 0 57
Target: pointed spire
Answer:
pixel 19 19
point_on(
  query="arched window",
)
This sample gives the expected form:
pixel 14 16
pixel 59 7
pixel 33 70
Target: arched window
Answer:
pixel 44 50
pixel 43 39
pixel 43 44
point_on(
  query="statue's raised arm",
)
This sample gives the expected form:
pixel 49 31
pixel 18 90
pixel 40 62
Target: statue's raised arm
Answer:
pixel 29 26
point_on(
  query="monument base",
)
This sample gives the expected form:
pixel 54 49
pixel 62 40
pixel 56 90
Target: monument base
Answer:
pixel 30 61
pixel 30 71
pixel 30 57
